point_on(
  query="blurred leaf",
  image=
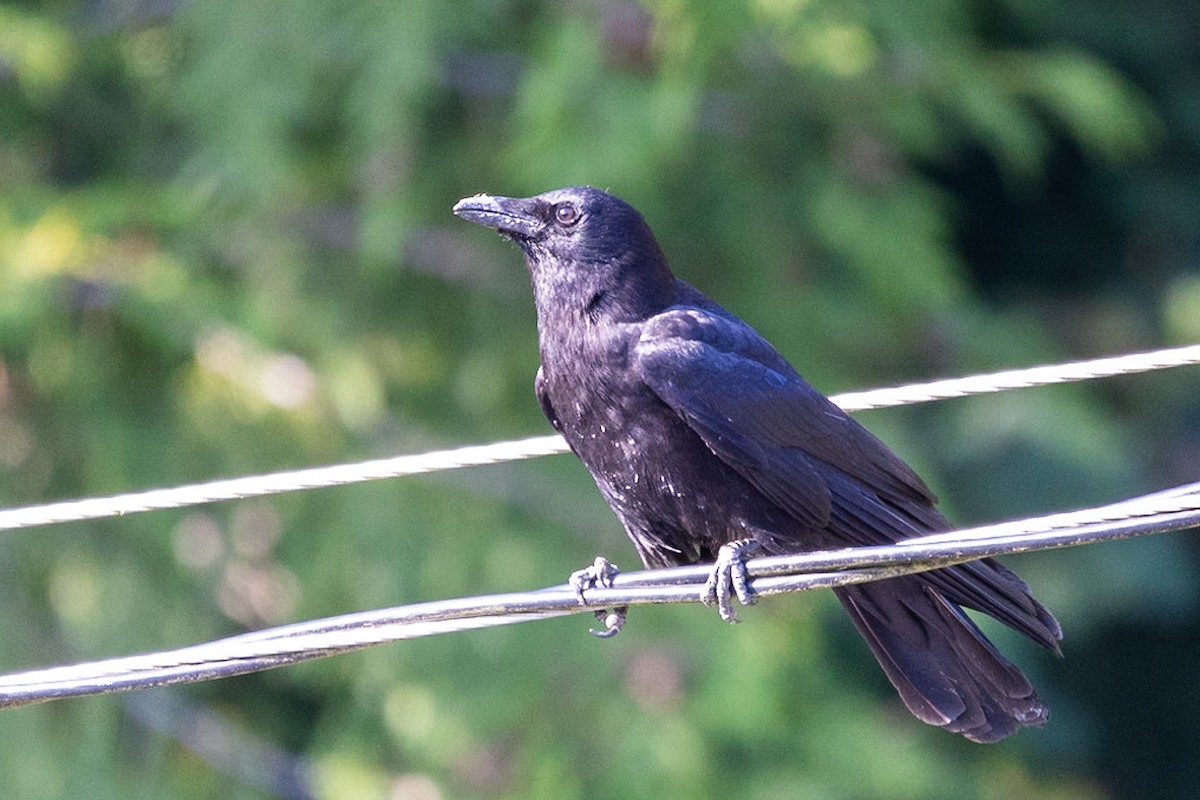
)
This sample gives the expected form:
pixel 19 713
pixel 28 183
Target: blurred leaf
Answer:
pixel 226 247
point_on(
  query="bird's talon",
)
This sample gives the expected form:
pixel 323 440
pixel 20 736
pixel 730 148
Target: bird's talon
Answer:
pixel 613 622
pixel 601 573
pixel 729 579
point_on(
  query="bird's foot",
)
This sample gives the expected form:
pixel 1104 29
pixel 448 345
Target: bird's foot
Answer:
pixel 600 573
pixel 729 578
pixel 613 622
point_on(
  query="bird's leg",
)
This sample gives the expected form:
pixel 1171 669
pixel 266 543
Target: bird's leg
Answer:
pixel 729 578
pixel 600 573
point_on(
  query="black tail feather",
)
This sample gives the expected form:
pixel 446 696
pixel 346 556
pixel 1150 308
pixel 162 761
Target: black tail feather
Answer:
pixel 945 669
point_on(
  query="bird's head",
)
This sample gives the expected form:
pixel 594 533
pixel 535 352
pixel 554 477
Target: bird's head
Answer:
pixel 586 250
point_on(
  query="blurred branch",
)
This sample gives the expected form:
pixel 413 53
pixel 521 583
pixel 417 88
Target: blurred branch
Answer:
pixel 225 746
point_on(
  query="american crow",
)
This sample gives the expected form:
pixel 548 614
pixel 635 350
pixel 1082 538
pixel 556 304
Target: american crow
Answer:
pixel 709 445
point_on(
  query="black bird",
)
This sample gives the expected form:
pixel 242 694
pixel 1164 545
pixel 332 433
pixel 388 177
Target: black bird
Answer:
pixel 700 435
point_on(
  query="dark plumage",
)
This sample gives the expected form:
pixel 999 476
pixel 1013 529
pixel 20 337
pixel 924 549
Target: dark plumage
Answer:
pixel 698 433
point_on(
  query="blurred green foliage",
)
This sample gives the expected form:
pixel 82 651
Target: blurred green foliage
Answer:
pixel 226 247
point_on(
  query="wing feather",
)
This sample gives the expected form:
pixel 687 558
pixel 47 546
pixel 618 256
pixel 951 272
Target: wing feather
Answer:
pixel 755 412
pixel 806 455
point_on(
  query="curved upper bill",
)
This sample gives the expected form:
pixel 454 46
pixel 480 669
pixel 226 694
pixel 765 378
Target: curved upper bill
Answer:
pixel 510 216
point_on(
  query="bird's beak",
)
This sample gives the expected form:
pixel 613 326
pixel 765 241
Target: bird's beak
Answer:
pixel 511 216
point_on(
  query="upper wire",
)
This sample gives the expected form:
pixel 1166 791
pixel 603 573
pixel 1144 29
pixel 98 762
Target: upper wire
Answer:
pixel 341 474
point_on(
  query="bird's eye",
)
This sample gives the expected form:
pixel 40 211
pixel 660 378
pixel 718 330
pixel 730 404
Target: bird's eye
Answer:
pixel 566 214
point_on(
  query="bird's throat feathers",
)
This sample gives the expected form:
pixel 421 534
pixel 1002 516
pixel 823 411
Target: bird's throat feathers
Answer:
pixel 628 287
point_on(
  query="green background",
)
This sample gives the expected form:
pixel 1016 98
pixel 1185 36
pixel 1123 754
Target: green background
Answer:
pixel 226 248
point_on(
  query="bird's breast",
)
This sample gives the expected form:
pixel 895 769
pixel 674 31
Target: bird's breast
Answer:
pixel 676 499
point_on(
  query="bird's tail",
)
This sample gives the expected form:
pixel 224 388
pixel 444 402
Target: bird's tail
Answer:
pixel 946 671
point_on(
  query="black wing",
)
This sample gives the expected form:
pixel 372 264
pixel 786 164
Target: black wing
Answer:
pixel 756 413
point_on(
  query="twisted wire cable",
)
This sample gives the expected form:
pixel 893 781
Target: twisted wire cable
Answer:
pixel 476 455
pixel 1169 510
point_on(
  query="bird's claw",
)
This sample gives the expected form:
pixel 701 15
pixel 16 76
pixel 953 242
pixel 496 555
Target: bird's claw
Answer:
pixel 729 578
pixel 613 622
pixel 600 573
